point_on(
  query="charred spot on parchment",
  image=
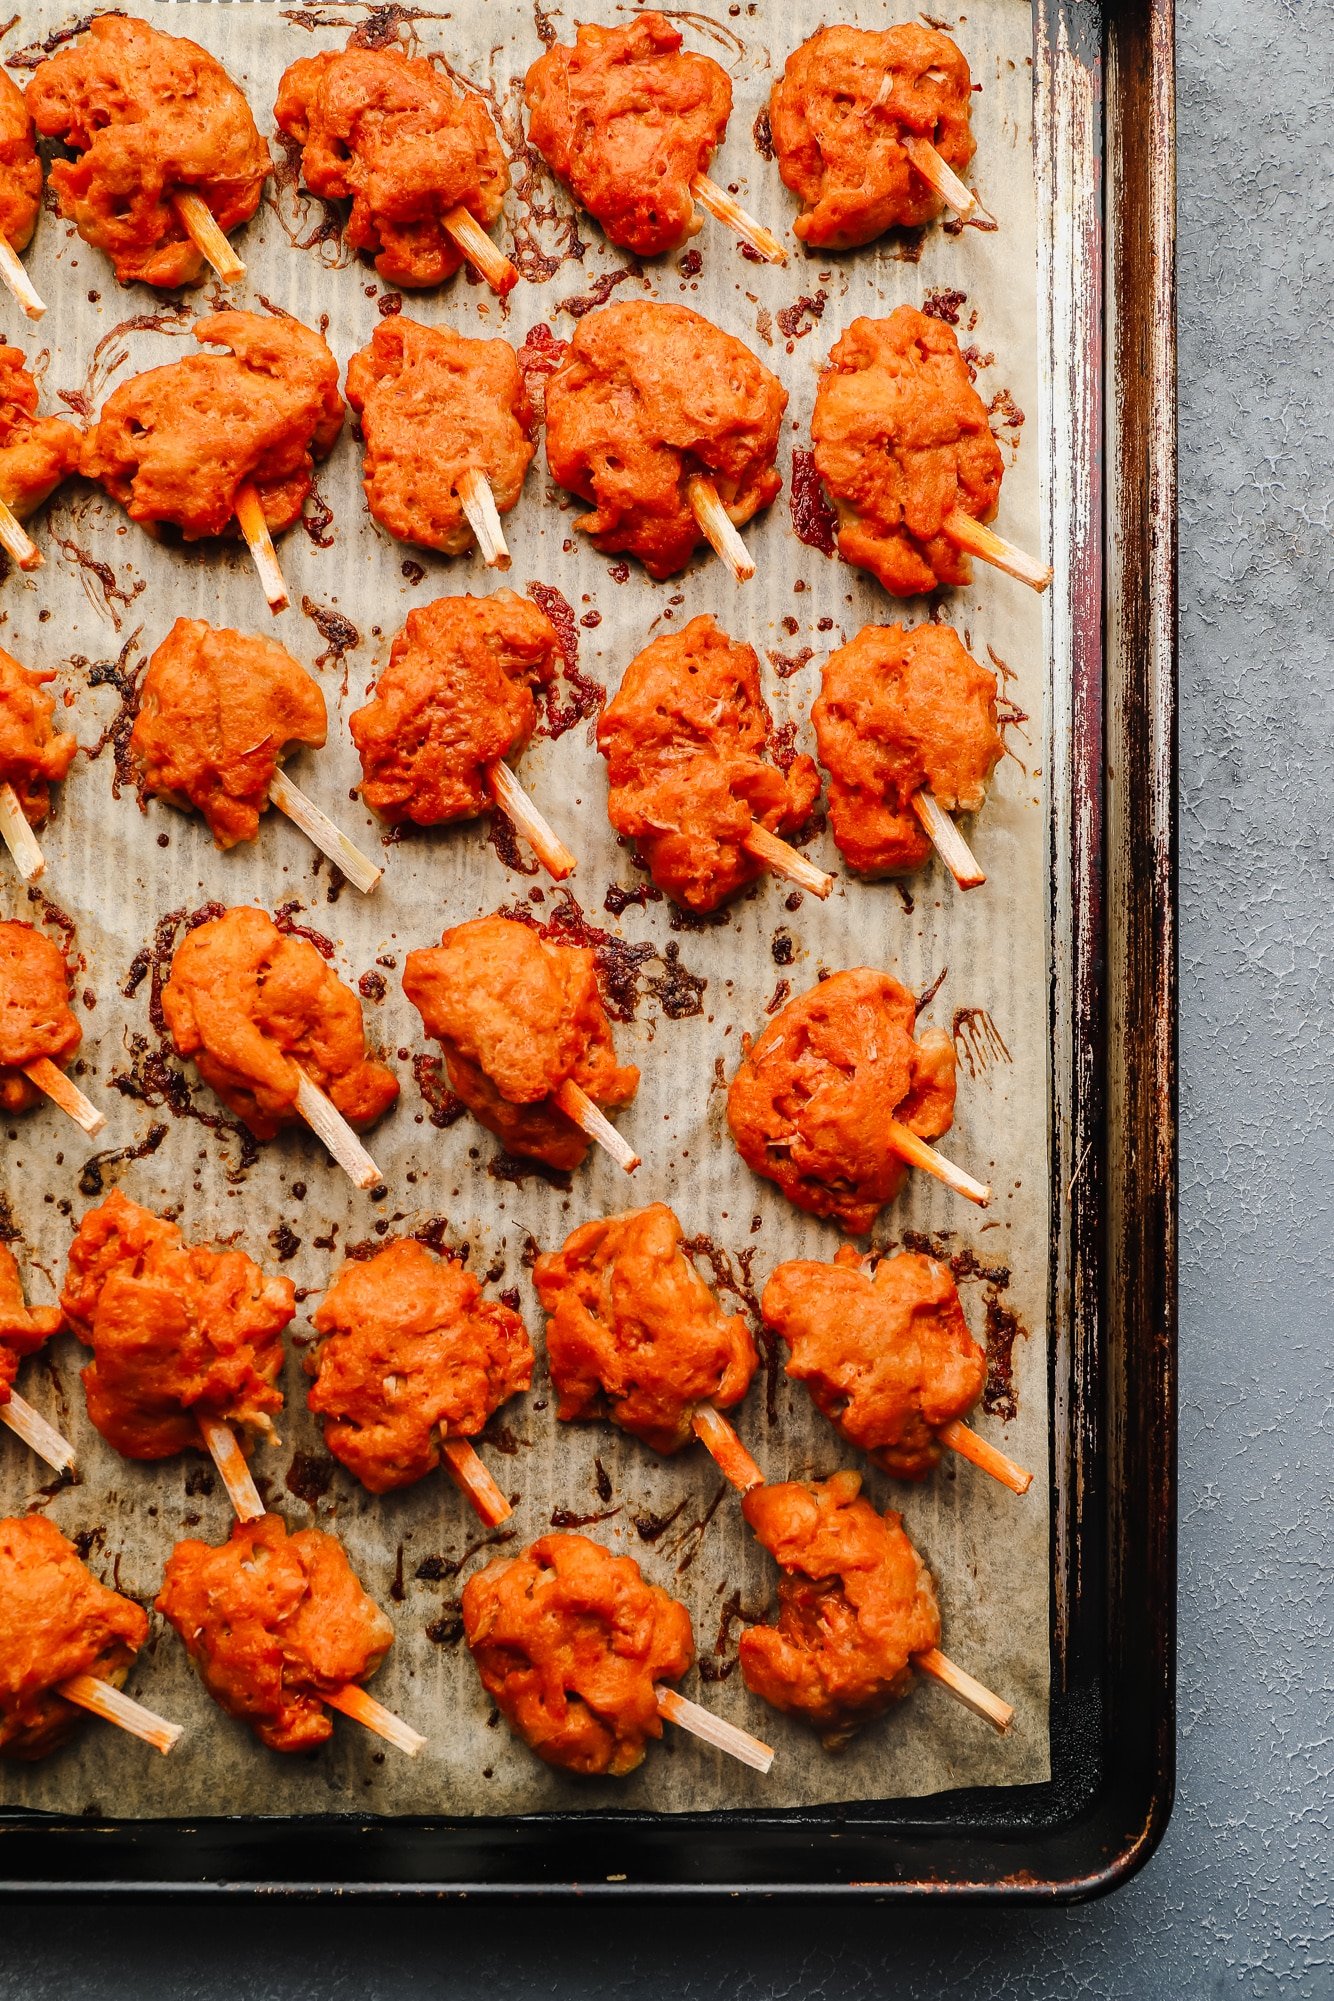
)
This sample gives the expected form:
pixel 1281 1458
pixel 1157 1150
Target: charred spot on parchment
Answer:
pixel 567 1518
pixel 585 696
pixel 722 1662
pixel 439 1569
pixel 284 920
pixel 339 634
pixel 977 1041
pixel 540 354
pixel 600 290
pixel 124 677
pixel 445 1107
pixel 800 318
pixel 814 521
pixel 91 1176
pixel 624 969
pixel 309 1476
pixel 308 221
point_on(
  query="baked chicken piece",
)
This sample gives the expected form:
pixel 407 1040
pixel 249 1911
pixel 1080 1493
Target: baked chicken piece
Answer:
pixel 517 1017
pixel 840 113
pixel 36 453
pixel 456 696
pixel 810 1106
pixel 391 134
pixel 56 1621
pixel 175 443
pixel 33 757
pixel 900 712
pixel 902 441
pixel 645 398
pixel 435 407
pixel 633 1332
pixel 20 168
pixel 411 1354
pixel 274 1622
pixel 23 1328
pixel 149 117
pixel 217 712
pixel 255 1009
pixel 571 1643
pixel 627 119
pixel 35 1015
pixel 855 1604
pixel 685 741
pixel 888 1358
pixel 178 1332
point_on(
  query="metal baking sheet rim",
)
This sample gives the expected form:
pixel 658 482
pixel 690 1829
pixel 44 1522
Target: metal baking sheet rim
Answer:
pixel 1118 1138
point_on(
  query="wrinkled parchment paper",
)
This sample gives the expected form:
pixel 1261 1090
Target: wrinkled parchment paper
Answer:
pixel 105 598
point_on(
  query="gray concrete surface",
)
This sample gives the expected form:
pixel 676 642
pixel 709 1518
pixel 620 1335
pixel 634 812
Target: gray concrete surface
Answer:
pixel 1237 1902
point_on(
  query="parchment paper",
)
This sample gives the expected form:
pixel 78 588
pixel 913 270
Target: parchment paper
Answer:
pixel 105 598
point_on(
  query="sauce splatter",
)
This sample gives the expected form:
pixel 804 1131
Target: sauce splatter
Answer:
pixel 813 519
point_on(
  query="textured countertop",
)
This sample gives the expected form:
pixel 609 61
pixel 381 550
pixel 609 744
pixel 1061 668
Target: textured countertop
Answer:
pixel 1237 1900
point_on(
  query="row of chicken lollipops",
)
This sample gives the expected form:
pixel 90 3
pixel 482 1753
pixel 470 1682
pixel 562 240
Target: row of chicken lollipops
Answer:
pixel 413 1359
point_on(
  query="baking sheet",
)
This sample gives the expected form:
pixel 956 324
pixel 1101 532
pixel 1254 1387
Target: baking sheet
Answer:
pixel 106 597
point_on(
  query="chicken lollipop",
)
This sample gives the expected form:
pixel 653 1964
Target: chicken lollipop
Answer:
pixel 629 122
pixel 904 446
pixel 419 160
pixel 449 435
pixel 280 1630
pixel 668 427
pixel 456 701
pixel 857 1612
pixel 217 711
pixel 412 1363
pixel 871 131
pixel 36 453
pixel 218 438
pixel 571 1643
pixel 527 1041
pixel 184 1338
pixel 906 728
pixel 635 1335
pixel 835 1099
pixel 276 1033
pixel 66 1642
pixel 33 758
pixel 689 782
pixel 888 1359
pixel 167 156
pixel 38 1032
pixel 23 1330
pixel 20 193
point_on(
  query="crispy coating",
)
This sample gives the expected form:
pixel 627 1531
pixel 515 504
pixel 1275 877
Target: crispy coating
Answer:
pixel 855 1606
pixel 644 397
pixel 35 1015
pixel 434 405
pixel 456 695
pixel 888 1359
pixel 685 741
pixel 274 1622
pixel 20 168
pixel 175 443
pixel 178 1332
pixel 56 1620
pixel 33 758
pixel 809 1104
pixel 839 114
pixel 149 115
pixel 571 1643
pixel 898 711
pixel 901 439
pixel 36 453
pixel 412 1353
pixel 23 1328
pixel 250 1005
pixel 217 710
pixel 516 1016
pixel 627 120
pixel 390 133
pixel 634 1333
